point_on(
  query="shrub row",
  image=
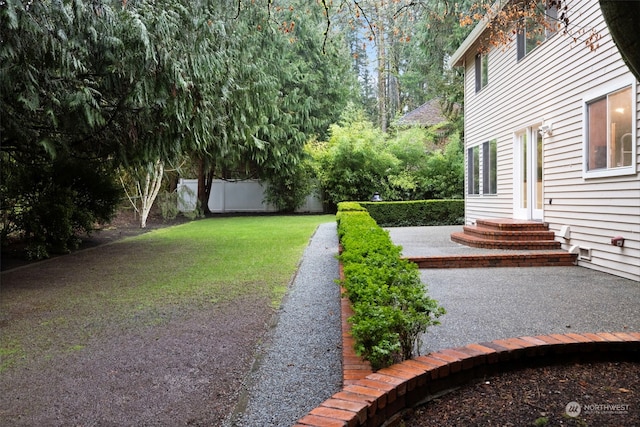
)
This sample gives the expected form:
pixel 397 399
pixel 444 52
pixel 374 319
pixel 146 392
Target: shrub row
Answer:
pixel 390 303
pixel 416 213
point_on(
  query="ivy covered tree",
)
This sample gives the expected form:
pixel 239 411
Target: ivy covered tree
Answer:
pixel 316 84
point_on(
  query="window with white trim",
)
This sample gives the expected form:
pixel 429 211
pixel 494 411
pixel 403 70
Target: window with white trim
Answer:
pixel 487 182
pixel 609 132
pixel 490 167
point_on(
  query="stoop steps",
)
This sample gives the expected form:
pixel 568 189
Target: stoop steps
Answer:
pixel 522 244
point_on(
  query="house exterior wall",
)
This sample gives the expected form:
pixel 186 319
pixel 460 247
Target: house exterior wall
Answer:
pixel 552 84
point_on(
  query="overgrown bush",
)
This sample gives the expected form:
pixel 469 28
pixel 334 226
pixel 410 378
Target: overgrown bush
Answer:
pixel 408 164
pixel 168 203
pixel 288 188
pixel 48 205
pixel 390 303
pixel 416 213
pixel 353 163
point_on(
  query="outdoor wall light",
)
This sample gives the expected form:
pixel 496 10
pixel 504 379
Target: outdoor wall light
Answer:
pixel 546 129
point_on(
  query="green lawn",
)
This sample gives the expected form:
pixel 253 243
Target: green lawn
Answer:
pixel 218 259
pixel 56 307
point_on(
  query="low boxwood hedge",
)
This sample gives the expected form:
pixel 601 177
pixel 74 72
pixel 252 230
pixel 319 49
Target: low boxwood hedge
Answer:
pixel 416 213
pixel 390 303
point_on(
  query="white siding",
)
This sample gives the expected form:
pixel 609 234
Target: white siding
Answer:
pixel 550 84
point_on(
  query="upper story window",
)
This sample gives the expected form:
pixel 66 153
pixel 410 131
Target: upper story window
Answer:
pixel 609 135
pixel 537 29
pixel 482 70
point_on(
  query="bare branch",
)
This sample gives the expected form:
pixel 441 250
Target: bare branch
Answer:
pixel 366 19
pixel 326 31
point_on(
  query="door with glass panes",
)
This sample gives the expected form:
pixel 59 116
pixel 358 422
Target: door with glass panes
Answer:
pixel 527 177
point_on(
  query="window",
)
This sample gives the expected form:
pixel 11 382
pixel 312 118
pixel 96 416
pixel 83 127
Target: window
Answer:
pixel 482 71
pixel 473 170
pixel 609 132
pixel 490 167
pixel 536 30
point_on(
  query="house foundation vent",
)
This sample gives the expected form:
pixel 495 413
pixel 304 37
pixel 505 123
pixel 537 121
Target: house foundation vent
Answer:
pixel 585 254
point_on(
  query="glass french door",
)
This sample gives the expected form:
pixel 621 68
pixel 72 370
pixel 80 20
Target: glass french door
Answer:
pixel 527 177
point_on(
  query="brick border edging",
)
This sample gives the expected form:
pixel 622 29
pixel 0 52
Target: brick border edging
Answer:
pixel 370 398
pixel 382 394
pixel 528 259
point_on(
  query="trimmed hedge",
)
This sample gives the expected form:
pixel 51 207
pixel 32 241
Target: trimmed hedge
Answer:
pixel 416 213
pixel 390 303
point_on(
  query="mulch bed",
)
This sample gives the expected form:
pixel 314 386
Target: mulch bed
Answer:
pixel 594 394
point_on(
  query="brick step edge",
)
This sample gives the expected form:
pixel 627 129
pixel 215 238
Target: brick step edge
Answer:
pixel 510 235
pixel 512 225
pixel 529 259
pixel 476 242
pixel 384 394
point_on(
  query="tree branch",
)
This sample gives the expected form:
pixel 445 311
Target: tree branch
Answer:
pixel 326 31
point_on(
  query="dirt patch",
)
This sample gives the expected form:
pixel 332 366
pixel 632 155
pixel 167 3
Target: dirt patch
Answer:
pixel 125 224
pixel 189 371
pixel 606 393
pixel 177 364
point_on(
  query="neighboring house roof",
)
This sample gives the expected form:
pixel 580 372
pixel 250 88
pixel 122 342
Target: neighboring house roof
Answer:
pixel 428 114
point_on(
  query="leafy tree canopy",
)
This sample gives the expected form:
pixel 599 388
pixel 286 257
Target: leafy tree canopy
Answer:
pixel 134 82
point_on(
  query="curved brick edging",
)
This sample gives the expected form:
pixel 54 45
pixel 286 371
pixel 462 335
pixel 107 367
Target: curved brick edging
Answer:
pixel 371 398
pixel 379 396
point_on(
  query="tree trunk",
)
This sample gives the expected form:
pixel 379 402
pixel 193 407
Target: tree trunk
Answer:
pixel 203 194
pixel 622 18
pixel 205 181
pixel 148 194
pixel 208 183
pixel 382 75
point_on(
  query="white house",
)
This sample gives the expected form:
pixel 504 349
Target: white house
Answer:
pixel 551 135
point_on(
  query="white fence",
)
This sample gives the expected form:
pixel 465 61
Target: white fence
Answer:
pixel 238 196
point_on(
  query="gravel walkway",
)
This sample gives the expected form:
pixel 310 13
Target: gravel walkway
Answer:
pixel 300 365
pixel 484 304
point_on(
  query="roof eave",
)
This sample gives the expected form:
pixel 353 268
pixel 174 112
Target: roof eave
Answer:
pixel 457 59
